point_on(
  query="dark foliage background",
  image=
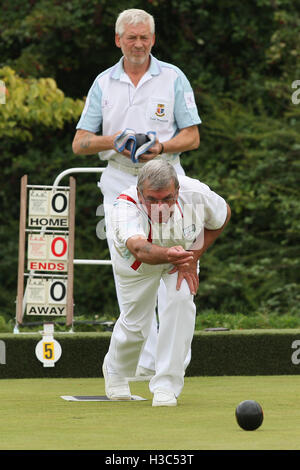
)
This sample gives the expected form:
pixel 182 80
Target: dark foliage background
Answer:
pixel 242 59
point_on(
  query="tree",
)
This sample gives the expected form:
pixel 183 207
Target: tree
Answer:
pixel 241 58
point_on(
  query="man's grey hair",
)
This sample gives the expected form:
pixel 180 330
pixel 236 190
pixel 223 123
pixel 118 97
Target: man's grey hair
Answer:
pixel 133 16
pixel 159 174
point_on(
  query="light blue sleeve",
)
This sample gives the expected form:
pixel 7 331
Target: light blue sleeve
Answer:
pixel 91 117
pixel 185 108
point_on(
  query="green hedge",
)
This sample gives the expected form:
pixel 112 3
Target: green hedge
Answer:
pixel 247 352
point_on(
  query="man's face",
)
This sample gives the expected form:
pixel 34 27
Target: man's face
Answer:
pixel 159 204
pixel 136 42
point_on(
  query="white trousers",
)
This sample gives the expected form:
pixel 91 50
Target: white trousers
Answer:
pixel 176 326
pixel 112 183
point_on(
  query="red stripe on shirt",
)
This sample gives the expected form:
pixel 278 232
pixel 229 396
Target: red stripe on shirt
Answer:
pixel 127 198
pixel 136 263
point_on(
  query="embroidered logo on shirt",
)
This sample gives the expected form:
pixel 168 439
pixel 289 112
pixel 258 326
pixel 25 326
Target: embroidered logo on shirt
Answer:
pixel 160 110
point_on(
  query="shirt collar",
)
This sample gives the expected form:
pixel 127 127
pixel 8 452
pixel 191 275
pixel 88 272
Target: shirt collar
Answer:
pixel 118 70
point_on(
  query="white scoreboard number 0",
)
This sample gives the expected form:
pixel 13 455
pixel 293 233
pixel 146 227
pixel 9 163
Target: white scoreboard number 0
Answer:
pixel 59 203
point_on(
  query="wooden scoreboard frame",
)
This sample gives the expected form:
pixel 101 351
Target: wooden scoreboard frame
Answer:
pixel 22 241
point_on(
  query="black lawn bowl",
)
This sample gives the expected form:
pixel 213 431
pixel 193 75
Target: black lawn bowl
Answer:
pixel 141 139
pixel 249 415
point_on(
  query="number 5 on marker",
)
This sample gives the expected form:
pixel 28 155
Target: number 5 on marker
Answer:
pixel 48 350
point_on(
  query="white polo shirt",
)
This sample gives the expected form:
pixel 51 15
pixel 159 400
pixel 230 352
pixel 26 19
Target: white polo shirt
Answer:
pixel 198 207
pixel 163 101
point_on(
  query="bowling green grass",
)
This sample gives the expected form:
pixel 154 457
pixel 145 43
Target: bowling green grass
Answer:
pixel 34 417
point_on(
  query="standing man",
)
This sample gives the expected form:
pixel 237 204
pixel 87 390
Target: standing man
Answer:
pixel 161 228
pixel 143 94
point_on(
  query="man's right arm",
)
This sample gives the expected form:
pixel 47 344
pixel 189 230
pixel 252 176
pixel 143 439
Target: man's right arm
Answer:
pixel 88 143
pixel 150 253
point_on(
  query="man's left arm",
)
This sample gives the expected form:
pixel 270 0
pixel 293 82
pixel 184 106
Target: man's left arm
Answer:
pixel 186 139
pixel 210 236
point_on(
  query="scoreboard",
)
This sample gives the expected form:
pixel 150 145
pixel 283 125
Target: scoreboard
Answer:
pixel 46 251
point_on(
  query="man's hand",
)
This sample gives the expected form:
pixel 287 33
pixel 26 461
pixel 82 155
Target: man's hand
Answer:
pixel 125 152
pixel 188 271
pixel 152 152
pixel 180 258
pixel 186 139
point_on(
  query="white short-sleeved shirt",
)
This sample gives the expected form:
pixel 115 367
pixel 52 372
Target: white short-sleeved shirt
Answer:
pixel 163 101
pixel 198 207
